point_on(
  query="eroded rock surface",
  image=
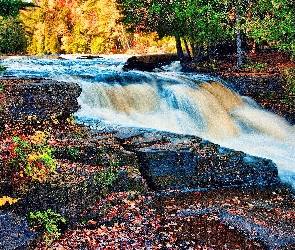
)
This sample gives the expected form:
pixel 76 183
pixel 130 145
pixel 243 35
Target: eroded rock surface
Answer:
pixel 39 99
pixel 169 160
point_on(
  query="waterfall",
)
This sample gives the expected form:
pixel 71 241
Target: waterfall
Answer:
pixel 177 103
pixel 171 101
pixel 190 104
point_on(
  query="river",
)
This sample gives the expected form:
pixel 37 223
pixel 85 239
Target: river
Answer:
pixel 168 100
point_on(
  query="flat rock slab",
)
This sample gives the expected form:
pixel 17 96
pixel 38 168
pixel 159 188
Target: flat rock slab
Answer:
pixel 264 215
pixel 170 161
pixel 14 232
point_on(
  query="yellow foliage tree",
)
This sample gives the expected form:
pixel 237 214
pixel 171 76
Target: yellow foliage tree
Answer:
pixel 83 26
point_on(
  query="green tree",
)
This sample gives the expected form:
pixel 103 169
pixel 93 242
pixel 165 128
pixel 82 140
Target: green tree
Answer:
pixel 200 22
pixel 207 23
pixel 12 36
pixel 12 7
pixel 150 16
pixel 12 33
pixel 272 22
pixel 207 26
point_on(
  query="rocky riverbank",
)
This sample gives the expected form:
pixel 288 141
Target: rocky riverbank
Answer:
pixel 36 99
pixel 142 208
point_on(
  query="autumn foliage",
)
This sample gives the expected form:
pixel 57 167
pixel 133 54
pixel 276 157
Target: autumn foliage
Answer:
pixel 73 26
pixel 27 159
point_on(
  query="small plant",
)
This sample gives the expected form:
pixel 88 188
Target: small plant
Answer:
pixel 101 152
pixel 49 222
pixel 289 79
pixel 1 90
pixel 256 67
pixel 107 176
pixel 2 68
pixel 29 159
pixel 71 120
pixel 74 153
pixel 34 158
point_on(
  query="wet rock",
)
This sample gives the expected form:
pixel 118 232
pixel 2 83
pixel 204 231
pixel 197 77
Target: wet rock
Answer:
pixel 38 99
pixel 89 57
pixel 91 168
pixel 271 237
pixel 149 62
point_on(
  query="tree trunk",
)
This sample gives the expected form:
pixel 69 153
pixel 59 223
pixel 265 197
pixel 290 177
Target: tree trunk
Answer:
pixel 179 48
pixel 187 49
pixel 238 38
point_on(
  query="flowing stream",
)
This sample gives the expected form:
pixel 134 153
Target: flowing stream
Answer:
pixel 170 101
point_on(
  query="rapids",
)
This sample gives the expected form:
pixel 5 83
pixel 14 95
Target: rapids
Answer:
pixel 169 100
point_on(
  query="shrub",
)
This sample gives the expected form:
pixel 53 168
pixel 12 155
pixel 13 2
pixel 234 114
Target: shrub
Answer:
pixel 256 67
pixel 29 159
pixel 2 69
pixel 49 222
pixel 108 175
pixel 12 36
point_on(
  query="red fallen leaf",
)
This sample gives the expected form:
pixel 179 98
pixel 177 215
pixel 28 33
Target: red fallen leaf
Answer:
pixel 104 228
pixel 172 239
pixel 92 222
pixel 51 142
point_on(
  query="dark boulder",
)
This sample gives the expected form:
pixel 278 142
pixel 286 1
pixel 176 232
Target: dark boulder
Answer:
pixel 14 232
pixel 149 62
pixel 39 99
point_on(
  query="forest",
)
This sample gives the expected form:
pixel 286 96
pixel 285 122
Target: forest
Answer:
pixel 203 28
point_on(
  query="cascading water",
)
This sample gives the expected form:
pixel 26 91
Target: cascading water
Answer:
pixel 170 101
